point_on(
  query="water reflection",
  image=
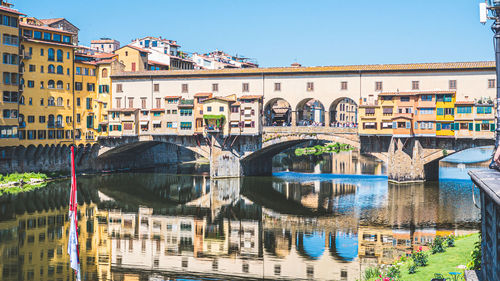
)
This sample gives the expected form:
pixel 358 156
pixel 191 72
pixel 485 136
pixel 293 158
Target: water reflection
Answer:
pixel 142 226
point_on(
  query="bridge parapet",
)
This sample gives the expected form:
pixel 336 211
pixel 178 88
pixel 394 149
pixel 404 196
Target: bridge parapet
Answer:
pixel 309 130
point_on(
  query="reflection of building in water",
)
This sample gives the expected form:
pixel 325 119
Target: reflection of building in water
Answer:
pixel 352 162
pixel 35 246
pixel 314 194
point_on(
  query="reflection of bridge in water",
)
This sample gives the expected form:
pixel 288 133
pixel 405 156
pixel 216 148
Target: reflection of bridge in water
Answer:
pixel 227 235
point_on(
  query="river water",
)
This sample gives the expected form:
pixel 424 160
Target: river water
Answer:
pixel 324 217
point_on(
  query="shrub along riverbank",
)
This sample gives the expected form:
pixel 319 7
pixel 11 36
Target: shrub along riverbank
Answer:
pixel 21 182
pixel 440 262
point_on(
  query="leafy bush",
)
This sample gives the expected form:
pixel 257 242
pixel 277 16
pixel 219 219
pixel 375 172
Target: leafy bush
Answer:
pixel 475 255
pixel 372 272
pixel 437 245
pixel 420 258
pixel 412 268
pixel 450 241
pixel 394 272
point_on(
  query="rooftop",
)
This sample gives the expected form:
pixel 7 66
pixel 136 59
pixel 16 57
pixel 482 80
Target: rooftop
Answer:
pixel 9 10
pixel 23 24
pixel 415 67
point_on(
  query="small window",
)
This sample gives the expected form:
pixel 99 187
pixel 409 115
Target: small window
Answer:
pixel 156 87
pixel 215 87
pixel 119 88
pixel 310 86
pixel 245 87
pixel 277 87
pixel 452 84
pixel 378 86
pixel 343 85
pixel 491 83
pixel 184 88
pixel 415 85
pixel 221 109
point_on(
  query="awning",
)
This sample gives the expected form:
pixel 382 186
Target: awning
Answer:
pixel 213 116
pixel 156 122
pixel 144 123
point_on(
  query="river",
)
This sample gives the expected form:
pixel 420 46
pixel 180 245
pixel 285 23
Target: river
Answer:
pixel 324 217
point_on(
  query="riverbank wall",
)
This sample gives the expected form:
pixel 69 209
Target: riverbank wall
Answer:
pixel 56 158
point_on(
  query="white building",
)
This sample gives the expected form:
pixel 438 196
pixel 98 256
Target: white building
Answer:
pixel 220 60
pixel 164 51
pixel 105 45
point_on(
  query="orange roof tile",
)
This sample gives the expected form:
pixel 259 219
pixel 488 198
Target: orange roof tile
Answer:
pixel 251 97
pixel 136 48
pixel 415 93
pixel 464 102
pixel 50 21
pixel 450 66
pixel 157 109
pixel 23 24
pixel 9 10
pixel 202 95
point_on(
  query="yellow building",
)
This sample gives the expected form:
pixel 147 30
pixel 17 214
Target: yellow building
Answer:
pixel 47 111
pixel 133 58
pixel 86 105
pixel 9 28
pixel 445 114
pixel 106 64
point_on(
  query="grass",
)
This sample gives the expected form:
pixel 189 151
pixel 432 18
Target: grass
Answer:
pixel 25 177
pixel 442 262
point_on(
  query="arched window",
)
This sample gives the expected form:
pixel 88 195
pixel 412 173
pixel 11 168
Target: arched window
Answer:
pixel 59 121
pixel 52 69
pixel 59 84
pixel 60 69
pixel 104 73
pixel 59 101
pixel 50 101
pixel 51 54
pixel 59 55
pixel 51 84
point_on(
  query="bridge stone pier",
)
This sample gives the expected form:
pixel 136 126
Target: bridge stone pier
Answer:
pixel 414 159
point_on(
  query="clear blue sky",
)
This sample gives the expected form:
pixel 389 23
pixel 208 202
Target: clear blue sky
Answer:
pixel 277 33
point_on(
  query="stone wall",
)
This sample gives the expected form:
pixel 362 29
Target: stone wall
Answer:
pixel 57 158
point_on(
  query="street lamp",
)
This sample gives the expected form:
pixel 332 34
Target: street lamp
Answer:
pixel 494 7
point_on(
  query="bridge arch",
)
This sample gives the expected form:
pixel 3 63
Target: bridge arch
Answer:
pixel 311 245
pixel 310 111
pixel 277 111
pixel 343 110
pixel 343 246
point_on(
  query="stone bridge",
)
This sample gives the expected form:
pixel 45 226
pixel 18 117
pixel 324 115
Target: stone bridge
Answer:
pixel 229 156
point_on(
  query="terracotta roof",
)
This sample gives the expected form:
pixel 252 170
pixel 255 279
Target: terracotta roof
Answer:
pixel 219 98
pixel 103 41
pixel 464 102
pixel 129 109
pixel 157 109
pixel 9 10
pixel 104 55
pixel 236 103
pixel 173 97
pixel 415 93
pixel 49 42
pixel 456 66
pixel 23 24
pixel 135 48
pixel 202 95
pixel 105 61
pixel 156 63
pixel 50 21
pixel 250 97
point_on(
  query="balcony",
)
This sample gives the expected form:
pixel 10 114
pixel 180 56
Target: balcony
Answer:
pixel 213 129
pixel 403 115
pixel 186 102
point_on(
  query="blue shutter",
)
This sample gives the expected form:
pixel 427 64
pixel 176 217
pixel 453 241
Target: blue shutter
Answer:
pixel 438 126
pixel 440 111
pixel 394 124
pixel 492 127
pixel 408 125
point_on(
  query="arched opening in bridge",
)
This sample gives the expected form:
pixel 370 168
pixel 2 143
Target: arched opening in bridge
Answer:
pixel 310 112
pixel 277 112
pixel 310 245
pixel 343 246
pixel 343 112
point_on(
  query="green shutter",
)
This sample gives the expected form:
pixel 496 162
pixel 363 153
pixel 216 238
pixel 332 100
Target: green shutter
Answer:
pixel 120 127
pixel 110 128
pixel 492 127
pixel 438 126
pixel 440 111
pixel 478 127
pixel 471 126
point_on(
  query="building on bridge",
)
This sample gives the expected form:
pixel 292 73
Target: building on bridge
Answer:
pixel 427 114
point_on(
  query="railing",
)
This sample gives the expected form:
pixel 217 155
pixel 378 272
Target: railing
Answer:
pixel 189 102
pixel 309 130
pixel 210 129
